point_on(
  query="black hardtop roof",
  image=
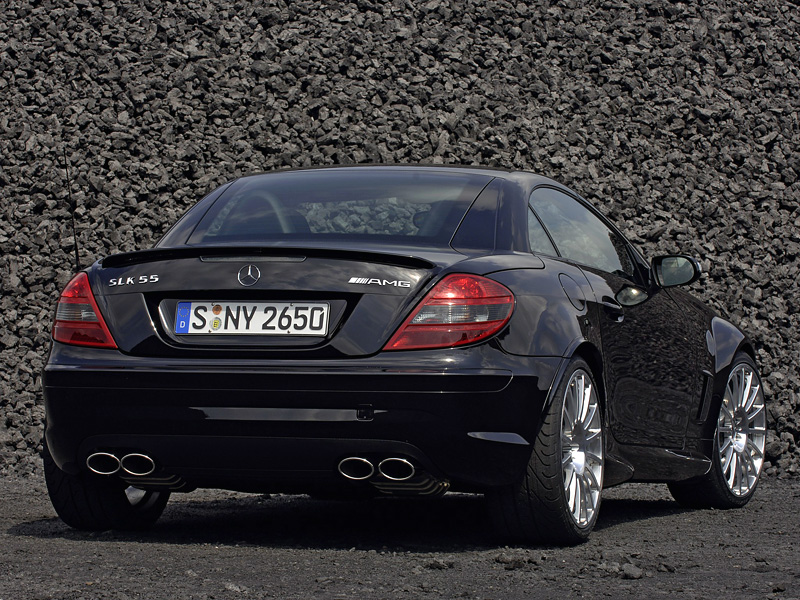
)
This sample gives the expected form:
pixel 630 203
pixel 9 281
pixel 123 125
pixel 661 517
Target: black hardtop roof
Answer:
pixel 493 172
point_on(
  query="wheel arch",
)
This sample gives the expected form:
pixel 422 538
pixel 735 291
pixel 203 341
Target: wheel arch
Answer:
pixel 543 507
pixel 617 468
pixel 589 352
pixel 729 341
pixel 591 355
pixel 715 488
pixel 748 349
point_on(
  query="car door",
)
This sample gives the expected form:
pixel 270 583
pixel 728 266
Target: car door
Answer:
pixel 648 354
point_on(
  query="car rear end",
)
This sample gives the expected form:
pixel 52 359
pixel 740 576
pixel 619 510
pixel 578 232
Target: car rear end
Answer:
pixel 307 331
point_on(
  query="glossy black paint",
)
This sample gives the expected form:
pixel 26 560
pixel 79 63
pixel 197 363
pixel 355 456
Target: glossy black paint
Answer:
pixel 278 414
pixel 208 404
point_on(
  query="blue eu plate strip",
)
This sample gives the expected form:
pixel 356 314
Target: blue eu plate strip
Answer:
pixel 183 316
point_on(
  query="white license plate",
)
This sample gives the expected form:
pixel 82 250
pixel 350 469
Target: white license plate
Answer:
pixel 252 318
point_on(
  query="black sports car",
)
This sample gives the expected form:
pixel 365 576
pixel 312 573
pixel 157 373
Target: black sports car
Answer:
pixel 396 330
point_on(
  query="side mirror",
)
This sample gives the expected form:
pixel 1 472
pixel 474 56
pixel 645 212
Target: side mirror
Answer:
pixel 670 271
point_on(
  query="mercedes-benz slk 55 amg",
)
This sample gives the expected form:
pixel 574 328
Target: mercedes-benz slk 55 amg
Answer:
pixel 396 330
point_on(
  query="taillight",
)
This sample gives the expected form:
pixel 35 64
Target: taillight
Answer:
pixel 78 320
pixel 460 309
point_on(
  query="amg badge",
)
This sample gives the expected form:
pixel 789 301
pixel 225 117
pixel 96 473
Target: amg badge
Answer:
pixel 375 281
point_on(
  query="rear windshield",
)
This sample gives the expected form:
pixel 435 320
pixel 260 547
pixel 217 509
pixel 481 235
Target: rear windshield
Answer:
pixel 399 206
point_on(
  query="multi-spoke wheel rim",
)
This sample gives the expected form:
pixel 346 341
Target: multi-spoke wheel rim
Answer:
pixel 742 430
pixel 582 448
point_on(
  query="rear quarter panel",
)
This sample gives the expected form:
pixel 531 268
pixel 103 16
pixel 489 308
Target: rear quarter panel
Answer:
pixel 545 321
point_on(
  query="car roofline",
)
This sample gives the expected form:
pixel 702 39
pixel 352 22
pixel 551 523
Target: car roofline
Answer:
pixel 497 172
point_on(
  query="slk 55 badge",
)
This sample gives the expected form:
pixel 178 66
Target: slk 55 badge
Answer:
pixel 116 281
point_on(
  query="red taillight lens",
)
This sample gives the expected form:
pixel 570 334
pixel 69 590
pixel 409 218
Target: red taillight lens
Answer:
pixel 78 320
pixel 460 309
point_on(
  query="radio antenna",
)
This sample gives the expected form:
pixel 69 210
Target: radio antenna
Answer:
pixel 72 208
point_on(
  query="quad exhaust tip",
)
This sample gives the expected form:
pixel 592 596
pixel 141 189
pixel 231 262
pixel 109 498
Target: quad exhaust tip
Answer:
pixel 105 463
pixel 356 468
pixel 396 469
pixel 137 464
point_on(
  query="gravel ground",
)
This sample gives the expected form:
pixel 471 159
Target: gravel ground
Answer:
pixel 216 544
pixel 679 119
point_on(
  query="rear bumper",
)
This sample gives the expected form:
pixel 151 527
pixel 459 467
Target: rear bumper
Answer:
pixel 285 425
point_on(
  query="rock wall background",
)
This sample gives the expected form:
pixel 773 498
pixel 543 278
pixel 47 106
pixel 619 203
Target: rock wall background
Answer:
pixel 681 120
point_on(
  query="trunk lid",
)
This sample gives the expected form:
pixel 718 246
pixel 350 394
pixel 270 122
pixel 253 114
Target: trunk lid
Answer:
pixel 366 294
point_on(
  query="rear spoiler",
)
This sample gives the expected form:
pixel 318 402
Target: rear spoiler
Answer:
pixel 255 252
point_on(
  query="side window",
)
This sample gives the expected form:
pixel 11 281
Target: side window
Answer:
pixel 579 234
pixel 540 243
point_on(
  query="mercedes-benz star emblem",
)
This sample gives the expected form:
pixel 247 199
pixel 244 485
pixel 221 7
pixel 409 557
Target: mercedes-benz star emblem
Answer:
pixel 248 275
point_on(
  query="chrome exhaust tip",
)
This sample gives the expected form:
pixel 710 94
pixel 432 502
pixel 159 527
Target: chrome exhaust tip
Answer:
pixel 396 469
pixel 356 468
pixel 138 465
pixel 103 463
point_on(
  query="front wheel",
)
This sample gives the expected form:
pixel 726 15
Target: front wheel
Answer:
pixel 739 442
pixel 97 503
pixel 558 499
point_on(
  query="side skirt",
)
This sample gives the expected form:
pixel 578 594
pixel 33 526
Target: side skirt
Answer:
pixel 663 465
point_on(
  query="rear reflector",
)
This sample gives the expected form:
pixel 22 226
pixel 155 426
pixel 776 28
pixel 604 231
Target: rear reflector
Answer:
pixel 460 309
pixel 78 320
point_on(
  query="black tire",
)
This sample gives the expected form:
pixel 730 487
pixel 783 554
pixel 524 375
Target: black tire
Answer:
pixel 538 508
pixel 722 487
pixel 98 503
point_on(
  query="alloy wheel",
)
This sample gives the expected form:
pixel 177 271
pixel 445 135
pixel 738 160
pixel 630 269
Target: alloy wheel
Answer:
pixel 741 430
pixel 582 448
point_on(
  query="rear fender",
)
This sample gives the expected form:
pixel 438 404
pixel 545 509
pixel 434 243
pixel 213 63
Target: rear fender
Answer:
pixel 617 468
pixel 546 321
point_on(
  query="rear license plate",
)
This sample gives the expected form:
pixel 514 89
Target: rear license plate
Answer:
pixel 252 318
